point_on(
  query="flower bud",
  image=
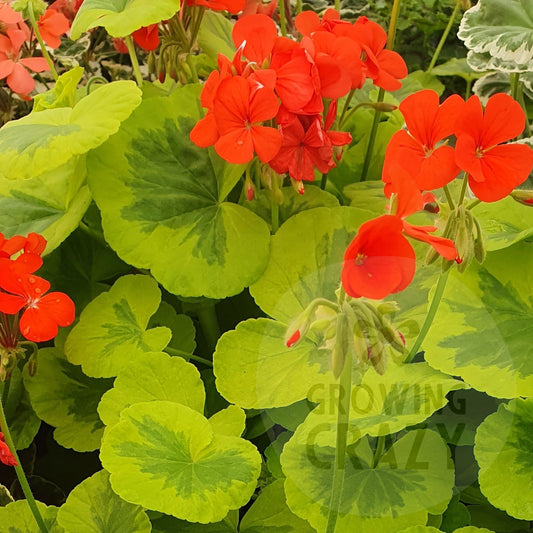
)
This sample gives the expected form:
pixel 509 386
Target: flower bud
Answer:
pixel 523 197
pixel 24 6
pixel 249 189
pixel 298 186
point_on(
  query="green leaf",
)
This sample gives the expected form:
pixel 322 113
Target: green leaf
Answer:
pixel 266 373
pixel 417 81
pixel 5 496
pixel 51 204
pixel 405 395
pixel 413 478
pixel 121 17
pixel 22 421
pixel 504 452
pixel 92 506
pixel 63 94
pixel 291 416
pixel 273 454
pixel 293 202
pixel 504 223
pixel 501 31
pixel 486 516
pixel 17 517
pixel 153 376
pixel 111 332
pixel 457 67
pixel 484 322
pixel 166 457
pixel 230 421
pixel 169 524
pixel 214 36
pixel 458 421
pixel 420 529
pixel 368 196
pixel 64 397
pixel 162 204
pixel 270 514
pixel 80 266
pixel 182 327
pixel 40 142
pixel 473 529
pixel 301 269
pixel 455 516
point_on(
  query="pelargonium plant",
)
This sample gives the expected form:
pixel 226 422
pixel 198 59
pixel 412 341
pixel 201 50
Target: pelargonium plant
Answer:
pixel 259 273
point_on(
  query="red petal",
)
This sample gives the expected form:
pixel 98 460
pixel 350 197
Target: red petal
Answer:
pixel 445 247
pixel 259 32
pixel 465 157
pixel 267 142
pixel 307 22
pixel 6 68
pixel 263 105
pixel 147 37
pixel 236 146
pixel 205 132
pixel 37 64
pixel 504 168
pixel 379 261
pixel 10 304
pixel 504 120
pixel 438 169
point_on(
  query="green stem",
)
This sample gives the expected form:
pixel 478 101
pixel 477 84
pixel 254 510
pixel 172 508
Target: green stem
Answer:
pixel 282 18
pixel 372 138
pixel 373 132
pixel 515 84
pixel 338 5
pixel 93 80
pixel 20 472
pixel 522 102
pixel 44 51
pixel 324 181
pixel 298 6
pixel 134 61
pixel 444 36
pixel 208 320
pixel 275 215
pixel 432 311
pixel 185 355
pixel 463 190
pixel 343 418
pixel 449 197
pixel 468 88
pixel 345 106
pixel 473 203
pixel 5 391
pixel 379 451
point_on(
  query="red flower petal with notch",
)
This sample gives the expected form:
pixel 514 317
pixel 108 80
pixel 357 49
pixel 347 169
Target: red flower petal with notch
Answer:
pixel 494 169
pixel 379 261
pixel 431 165
pixel 43 313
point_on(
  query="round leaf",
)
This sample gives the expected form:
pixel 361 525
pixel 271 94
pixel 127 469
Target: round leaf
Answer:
pixel 501 30
pixel 121 17
pixel 266 373
pixel 381 405
pixel 64 397
pixel 153 376
pixel 270 514
pixel 43 141
pixel 112 331
pixel 162 204
pixel 505 456
pixel 413 478
pixel 484 323
pixel 230 421
pixel 17 517
pixel 166 457
pixel 93 507
pixel 306 260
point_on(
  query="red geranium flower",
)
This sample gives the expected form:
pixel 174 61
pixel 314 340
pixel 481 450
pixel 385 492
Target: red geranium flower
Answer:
pixel 147 37
pixel 494 170
pixel 52 24
pixel 6 456
pixel 431 166
pixel 13 67
pixel 238 111
pixel 379 261
pixel 43 312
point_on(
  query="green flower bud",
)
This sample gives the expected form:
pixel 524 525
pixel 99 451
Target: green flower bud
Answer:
pixel 25 7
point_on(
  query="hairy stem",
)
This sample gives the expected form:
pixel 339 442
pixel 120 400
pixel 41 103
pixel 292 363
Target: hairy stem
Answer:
pixel 444 36
pixel 432 311
pixel 20 471
pixel 134 61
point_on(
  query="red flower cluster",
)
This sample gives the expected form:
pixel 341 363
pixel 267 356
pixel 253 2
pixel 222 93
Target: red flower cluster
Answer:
pixel 269 100
pixel 13 34
pixel 380 261
pixel 21 290
pixel 6 456
pixel 493 169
